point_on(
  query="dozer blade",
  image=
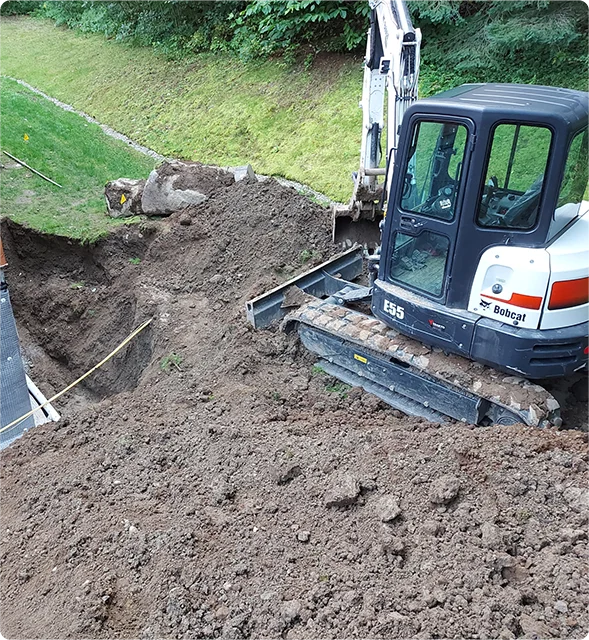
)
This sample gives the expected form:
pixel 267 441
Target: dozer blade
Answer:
pixel 416 379
pixel 323 280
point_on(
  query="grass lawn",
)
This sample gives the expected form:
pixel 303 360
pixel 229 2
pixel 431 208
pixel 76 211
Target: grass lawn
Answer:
pixel 302 125
pixel 70 151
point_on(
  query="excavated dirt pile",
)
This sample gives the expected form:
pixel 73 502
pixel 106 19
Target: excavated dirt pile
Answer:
pixel 208 482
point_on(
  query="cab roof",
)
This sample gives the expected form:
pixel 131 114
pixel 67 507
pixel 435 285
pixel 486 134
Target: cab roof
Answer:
pixel 516 100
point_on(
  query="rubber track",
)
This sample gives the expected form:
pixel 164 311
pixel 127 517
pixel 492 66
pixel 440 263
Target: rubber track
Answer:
pixel 533 403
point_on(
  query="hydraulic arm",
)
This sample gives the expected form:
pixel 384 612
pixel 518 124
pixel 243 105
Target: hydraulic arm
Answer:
pixel 391 72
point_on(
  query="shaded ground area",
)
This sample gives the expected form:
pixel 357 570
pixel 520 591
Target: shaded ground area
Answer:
pixel 208 482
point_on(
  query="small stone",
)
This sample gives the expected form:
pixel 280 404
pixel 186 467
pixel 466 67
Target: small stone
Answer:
pixel 573 535
pixel 244 173
pixel 444 489
pixel 534 414
pixel 432 527
pixel 366 484
pixel 439 595
pixel 300 383
pixel 491 536
pixel 223 490
pixel 577 498
pixel 388 508
pixel 552 404
pixel 185 220
pixel 535 628
pixel 561 606
pixel 290 611
pixel 343 492
pixel 221 612
pixel 504 560
pixel 286 473
pixel 303 536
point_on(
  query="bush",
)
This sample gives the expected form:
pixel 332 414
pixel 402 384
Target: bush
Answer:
pixel 18 7
pixel 543 41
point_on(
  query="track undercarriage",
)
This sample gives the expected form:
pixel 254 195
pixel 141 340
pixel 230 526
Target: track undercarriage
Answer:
pixel 408 375
pixel 418 380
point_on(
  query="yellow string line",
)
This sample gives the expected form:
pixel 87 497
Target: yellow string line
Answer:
pixel 73 384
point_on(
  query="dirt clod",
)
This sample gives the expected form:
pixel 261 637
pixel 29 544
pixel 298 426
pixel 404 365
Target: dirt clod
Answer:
pixel 343 491
pixel 444 489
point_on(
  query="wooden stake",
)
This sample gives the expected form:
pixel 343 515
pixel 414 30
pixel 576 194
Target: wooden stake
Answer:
pixel 24 164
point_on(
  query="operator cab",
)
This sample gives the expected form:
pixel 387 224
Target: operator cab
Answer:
pixel 488 181
pixel 478 166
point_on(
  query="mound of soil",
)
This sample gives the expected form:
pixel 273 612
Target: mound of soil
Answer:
pixel 208 482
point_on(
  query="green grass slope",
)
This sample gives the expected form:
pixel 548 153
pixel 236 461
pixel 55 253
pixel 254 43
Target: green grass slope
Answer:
pixel 70 151
pixel 303 125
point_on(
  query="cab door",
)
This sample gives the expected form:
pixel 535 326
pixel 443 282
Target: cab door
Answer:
pixel 425 205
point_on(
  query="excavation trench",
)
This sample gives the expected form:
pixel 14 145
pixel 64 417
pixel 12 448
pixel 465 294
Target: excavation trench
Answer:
pixel 71 310
pixel 191 274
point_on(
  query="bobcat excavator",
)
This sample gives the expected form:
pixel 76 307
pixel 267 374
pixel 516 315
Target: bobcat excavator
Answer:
pixel 479 273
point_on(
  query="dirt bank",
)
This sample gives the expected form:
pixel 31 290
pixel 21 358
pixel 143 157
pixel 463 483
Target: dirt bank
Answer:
pixel 210 483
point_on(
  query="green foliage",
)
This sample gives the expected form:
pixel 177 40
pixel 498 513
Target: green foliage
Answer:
pixel 339 388
pixel 268 26
pixel 134 260
pixel 18 7
pixel 529 41
pixel 169 361
pixel 466 40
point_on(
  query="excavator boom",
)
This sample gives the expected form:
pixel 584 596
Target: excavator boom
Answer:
pixel 391 73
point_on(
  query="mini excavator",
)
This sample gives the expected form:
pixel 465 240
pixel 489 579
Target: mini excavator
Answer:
pixel 476 238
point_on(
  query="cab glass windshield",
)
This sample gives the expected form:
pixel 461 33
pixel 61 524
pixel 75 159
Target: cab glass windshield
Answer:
pixel 433 169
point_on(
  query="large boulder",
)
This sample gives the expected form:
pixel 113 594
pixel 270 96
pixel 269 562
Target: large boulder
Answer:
pixel 123 197
pixel 176 185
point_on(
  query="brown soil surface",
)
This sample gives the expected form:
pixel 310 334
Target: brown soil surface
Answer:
pixel 208 482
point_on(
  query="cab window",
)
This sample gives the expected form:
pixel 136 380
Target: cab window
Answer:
pixel 433 169
pixel 515 176
pixel 420 262
pixel 574 186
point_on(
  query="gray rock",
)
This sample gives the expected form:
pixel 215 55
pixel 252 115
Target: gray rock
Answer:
pixel 491 536
pixel 388 508
pixel 577 498
pixel 223 490
pixel 303 536
pixel 561 606
pixel 161 197
pixel 245 172
pixel 287 472
pixel 123 197
pixel 444 489
pixel 535 628
pixel 343 492
pixel 432 527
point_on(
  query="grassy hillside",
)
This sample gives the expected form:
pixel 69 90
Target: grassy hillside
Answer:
pixel 70 151
pixel 303 125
